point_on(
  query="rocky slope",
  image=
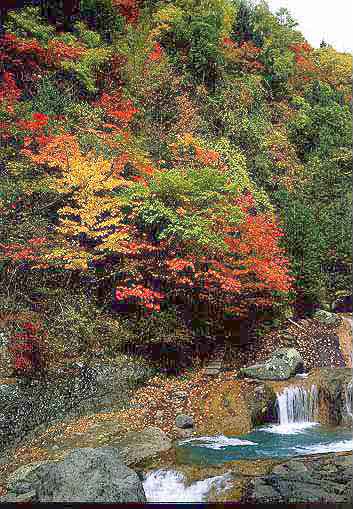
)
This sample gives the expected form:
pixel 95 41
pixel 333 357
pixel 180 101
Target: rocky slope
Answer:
pixel 319 344
pixel 74 391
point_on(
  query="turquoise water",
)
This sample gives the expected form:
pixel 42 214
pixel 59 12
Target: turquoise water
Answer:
pixel 274 441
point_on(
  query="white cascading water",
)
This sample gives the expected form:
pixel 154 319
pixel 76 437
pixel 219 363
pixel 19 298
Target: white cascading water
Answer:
pixel 297 409
pixel 219 442
pixel 170 486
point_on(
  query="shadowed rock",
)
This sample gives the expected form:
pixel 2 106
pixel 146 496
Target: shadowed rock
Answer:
pixel 322 480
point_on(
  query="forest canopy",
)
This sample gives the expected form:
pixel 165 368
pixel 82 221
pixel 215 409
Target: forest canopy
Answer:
pixel 169 166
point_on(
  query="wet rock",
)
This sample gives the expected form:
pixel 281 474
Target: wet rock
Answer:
pixel 87 475
pixel 322 480
pixel 183 433
pixel 184 421
pixel 333 386
pixel 283 364
pixel 326 317
pixel 136 446
pixel 262 405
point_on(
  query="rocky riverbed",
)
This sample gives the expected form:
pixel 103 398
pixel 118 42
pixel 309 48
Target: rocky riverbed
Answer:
pixel 144 426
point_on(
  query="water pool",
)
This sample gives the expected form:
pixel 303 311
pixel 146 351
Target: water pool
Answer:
pixel 297 433
pixel 267 442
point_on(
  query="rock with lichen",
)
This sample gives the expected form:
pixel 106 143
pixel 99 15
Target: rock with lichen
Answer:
pixel 283 364
pixel 326 317
pixel 136 446
pixel 85 475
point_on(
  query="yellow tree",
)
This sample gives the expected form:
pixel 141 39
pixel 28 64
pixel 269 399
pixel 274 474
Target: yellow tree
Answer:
pixel 335 69
pixel 91 221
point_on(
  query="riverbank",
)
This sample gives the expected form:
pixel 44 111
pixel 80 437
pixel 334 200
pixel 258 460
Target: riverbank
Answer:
pixel 223 404
pixel 253 481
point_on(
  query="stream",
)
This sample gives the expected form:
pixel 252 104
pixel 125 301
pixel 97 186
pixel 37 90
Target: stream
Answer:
pixel 297 433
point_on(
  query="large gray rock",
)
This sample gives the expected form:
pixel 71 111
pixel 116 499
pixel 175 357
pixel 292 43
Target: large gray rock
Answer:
pixel 283 364
pixel 85 475
pixel 324 480
pixel 136 446
pixel 326 317
pixel 22 479
pixel 12 498
pixel 184 421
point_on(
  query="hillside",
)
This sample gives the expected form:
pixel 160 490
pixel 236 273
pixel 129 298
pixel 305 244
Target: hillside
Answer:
pixel 170 171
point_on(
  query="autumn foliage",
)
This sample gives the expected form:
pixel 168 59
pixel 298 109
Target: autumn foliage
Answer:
pixel 156 164
pixel 129 9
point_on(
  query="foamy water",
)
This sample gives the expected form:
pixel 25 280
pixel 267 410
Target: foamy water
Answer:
pixel 344 445
pixel 290 428
pixel 219 442
pixel 170 486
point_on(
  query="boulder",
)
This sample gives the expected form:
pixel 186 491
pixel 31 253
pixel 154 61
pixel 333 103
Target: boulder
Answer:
pixel 327 318
pixel 89 388
pixel 184 421
pixel 324 480
pixel 16 499
pixel 136 446
pixel 283 364
pixel 85 475
pixel 22 479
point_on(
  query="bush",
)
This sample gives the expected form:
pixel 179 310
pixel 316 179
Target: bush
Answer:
pixel 52 98
pixel 86 69
pixel 88 37
pixel 27 22
pixel 77 327
pixel 101 16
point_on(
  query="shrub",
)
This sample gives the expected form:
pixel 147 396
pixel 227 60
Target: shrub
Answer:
pixel 101 16
pixel 27 22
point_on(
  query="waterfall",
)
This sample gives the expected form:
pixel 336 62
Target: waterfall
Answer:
pixel 297 409
pixel 297 405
